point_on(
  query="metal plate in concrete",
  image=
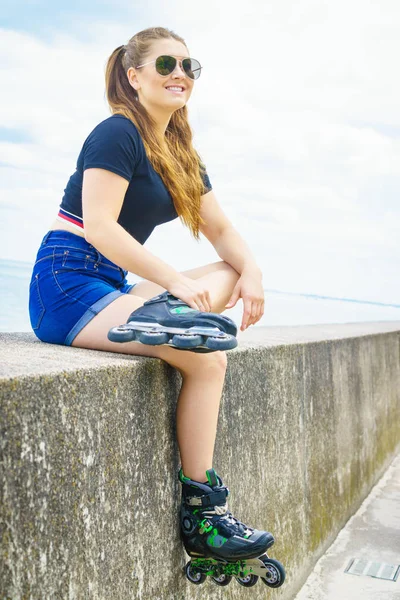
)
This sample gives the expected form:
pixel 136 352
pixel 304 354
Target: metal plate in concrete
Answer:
pixel 371 568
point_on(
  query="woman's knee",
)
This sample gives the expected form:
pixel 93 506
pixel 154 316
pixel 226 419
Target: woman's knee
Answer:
pixel 227 268
pixel 211 364
pixel 219 360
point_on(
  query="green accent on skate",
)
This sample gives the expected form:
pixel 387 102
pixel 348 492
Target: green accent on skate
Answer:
pixel 247 536
pixel 182 310
pixel 216 540
pixel 214 568
pixel 182 476
pixel 212 477
pixel 208 566
pixel 204 528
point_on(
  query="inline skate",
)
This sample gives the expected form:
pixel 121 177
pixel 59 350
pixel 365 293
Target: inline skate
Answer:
pixel 167 320
pixel 220 546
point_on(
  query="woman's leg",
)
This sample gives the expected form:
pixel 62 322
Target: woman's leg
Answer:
pixel 219 276
pixel 197 411
pixel 203 375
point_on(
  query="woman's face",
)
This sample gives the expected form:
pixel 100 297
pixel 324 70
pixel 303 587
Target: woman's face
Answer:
pixel 152 87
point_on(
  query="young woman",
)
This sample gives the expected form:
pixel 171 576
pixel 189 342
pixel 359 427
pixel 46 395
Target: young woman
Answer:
pixel 137 169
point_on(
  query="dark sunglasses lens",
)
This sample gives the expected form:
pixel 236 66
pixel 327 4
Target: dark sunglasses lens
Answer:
pixel 165 65
pixel 192 67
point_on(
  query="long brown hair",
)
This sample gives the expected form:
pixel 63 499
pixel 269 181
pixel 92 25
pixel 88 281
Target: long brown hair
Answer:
pixel 178 163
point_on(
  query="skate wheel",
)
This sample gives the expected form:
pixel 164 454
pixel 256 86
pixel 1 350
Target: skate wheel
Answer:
pixel 119 334
pixel 153 338
pixel 194 576
pixel 275 573
pixel 247 581
pixel 187 340
pixel 221 343
pixel 222 579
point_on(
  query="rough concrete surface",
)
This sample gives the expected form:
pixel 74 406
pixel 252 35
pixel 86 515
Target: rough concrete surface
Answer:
pixel 293 334
pixel 372 534
pixel 89 460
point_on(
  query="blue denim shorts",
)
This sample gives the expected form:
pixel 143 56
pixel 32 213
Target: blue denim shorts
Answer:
pixel 71 283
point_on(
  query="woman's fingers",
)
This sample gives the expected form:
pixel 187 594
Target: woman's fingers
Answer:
pixel 208 298
pixel 260 311
pixel 257 316
pixel 247 304
pixel 204 302
pixel 252 313
pixel 192 293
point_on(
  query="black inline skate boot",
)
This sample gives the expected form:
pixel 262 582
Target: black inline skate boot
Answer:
pixel 167 320
pixel 220 546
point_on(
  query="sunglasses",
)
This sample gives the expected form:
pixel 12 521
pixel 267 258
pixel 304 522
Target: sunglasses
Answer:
pixel 165 65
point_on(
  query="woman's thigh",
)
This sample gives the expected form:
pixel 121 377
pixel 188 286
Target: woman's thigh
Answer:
pixel 219 278
pixel 94 336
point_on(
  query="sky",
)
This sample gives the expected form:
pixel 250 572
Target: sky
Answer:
pixel 296 116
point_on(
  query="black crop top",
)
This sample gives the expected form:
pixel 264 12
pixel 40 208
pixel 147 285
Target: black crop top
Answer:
pixel 116 145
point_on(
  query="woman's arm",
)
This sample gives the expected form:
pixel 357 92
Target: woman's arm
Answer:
pixel 103 193
pixel 231 247
pixel 228 243
pixel 102 197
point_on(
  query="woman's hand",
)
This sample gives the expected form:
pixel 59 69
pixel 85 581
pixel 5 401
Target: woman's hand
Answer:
pixel 249 288
pixel 192 292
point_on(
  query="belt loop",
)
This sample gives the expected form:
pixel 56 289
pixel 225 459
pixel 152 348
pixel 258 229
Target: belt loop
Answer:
pixel 46 237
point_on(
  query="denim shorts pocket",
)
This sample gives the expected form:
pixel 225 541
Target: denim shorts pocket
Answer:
pixel 75 259
pixel 36 306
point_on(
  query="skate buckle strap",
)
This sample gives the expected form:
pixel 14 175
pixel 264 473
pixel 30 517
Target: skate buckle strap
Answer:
pixel 212 477
pixel 166 297
pixel 205 527
pixel 211 499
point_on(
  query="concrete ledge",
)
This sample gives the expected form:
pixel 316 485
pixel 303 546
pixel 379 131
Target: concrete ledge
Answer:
pixel 89 459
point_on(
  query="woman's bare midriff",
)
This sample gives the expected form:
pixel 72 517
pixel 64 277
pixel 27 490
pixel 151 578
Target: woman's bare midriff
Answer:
pixel 57 225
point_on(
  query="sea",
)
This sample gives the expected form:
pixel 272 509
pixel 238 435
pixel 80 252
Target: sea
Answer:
pixel 282 307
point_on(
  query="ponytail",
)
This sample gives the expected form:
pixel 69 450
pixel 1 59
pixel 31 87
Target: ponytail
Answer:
pixel 118 89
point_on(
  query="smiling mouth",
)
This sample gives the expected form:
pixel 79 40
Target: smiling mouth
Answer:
pixel 176 90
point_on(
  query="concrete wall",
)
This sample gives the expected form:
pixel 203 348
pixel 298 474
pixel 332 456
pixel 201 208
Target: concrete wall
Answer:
pixel 89 458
